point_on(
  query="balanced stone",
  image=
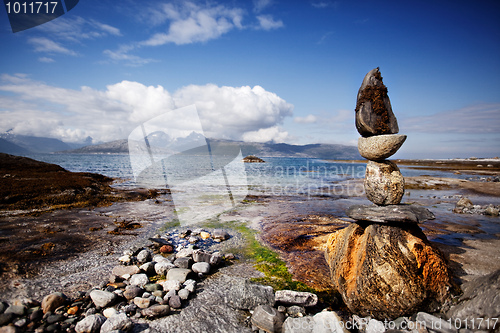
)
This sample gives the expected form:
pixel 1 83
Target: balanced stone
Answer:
pixel 390 213
pixel 384 271
pixel 384 183
pixel 380 147
pixel 373 108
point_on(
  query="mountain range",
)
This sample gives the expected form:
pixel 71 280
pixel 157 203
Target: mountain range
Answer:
pixel 20 145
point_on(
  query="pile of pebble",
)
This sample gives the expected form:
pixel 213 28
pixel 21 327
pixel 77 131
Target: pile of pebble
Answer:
pixel 150 282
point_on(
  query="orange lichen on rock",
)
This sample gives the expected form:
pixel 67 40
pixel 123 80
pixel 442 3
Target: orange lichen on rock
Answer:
pixel 386 272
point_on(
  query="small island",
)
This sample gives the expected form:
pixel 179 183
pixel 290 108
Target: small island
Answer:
pixel 253 159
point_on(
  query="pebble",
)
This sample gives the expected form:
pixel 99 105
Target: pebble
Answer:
pixel 163 267
pixel 90 324
pixel 201 267
pixel 132 291
pixel 175 302
pixel 144 256
pixel 142 303
pixel 102 298
pixel 156 310
pixel 119 322
pixel 52 302
pixel 178 274
pixel 140 280
pixel 171 285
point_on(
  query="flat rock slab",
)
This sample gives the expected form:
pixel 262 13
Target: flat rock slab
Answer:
pixel 390 213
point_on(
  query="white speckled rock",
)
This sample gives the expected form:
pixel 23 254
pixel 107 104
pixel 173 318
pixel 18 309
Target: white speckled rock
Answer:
pixel 384 183
pixel 380 147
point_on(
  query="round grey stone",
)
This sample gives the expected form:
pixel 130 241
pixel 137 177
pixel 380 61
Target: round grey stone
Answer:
pixel 201 267
pixel 102 298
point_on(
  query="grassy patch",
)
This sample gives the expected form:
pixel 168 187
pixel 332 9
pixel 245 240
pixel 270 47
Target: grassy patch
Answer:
pixel 267 261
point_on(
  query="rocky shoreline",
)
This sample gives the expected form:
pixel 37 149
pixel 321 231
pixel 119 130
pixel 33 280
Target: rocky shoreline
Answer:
pixel 295 227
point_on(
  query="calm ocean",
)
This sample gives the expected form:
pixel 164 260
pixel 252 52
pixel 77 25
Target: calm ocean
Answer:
pixel 278 174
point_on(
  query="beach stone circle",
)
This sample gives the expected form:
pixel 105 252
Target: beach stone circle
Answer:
pixel 374 114
pixel 380 147
pixel 384 184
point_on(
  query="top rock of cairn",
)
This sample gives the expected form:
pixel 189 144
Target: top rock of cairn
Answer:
pixel 373 108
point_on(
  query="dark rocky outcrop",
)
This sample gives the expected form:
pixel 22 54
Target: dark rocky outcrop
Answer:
pixel 253 159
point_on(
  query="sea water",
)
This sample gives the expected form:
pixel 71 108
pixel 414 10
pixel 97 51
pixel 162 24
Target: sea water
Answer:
pixel 278 175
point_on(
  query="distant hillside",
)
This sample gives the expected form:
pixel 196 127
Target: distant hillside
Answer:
pixel 11 148
pixel 31 144
pixel 113 147
pixel 320 150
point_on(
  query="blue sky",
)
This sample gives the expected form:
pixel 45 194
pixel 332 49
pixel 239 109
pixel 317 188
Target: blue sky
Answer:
pixel 263 70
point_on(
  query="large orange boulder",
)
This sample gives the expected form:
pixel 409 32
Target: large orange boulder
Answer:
pixel 387 272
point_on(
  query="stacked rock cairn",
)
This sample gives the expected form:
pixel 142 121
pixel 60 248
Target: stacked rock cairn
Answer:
pixel 382 264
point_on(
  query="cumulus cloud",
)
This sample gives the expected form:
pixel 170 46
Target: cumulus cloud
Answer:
pixel 238 113
pixel 482 118
pixel 309 119
pixel 270 134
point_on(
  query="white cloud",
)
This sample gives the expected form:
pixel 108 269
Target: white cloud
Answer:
pixel 130 59
pixel 76 29
pixel 309 119
pixel 260 5
pixel 325 4
pixel 35 108
pixel 46 59
pixel 191 23
pixel 267 22
pixel 270 134
pixel 228 112
pixel 43 44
